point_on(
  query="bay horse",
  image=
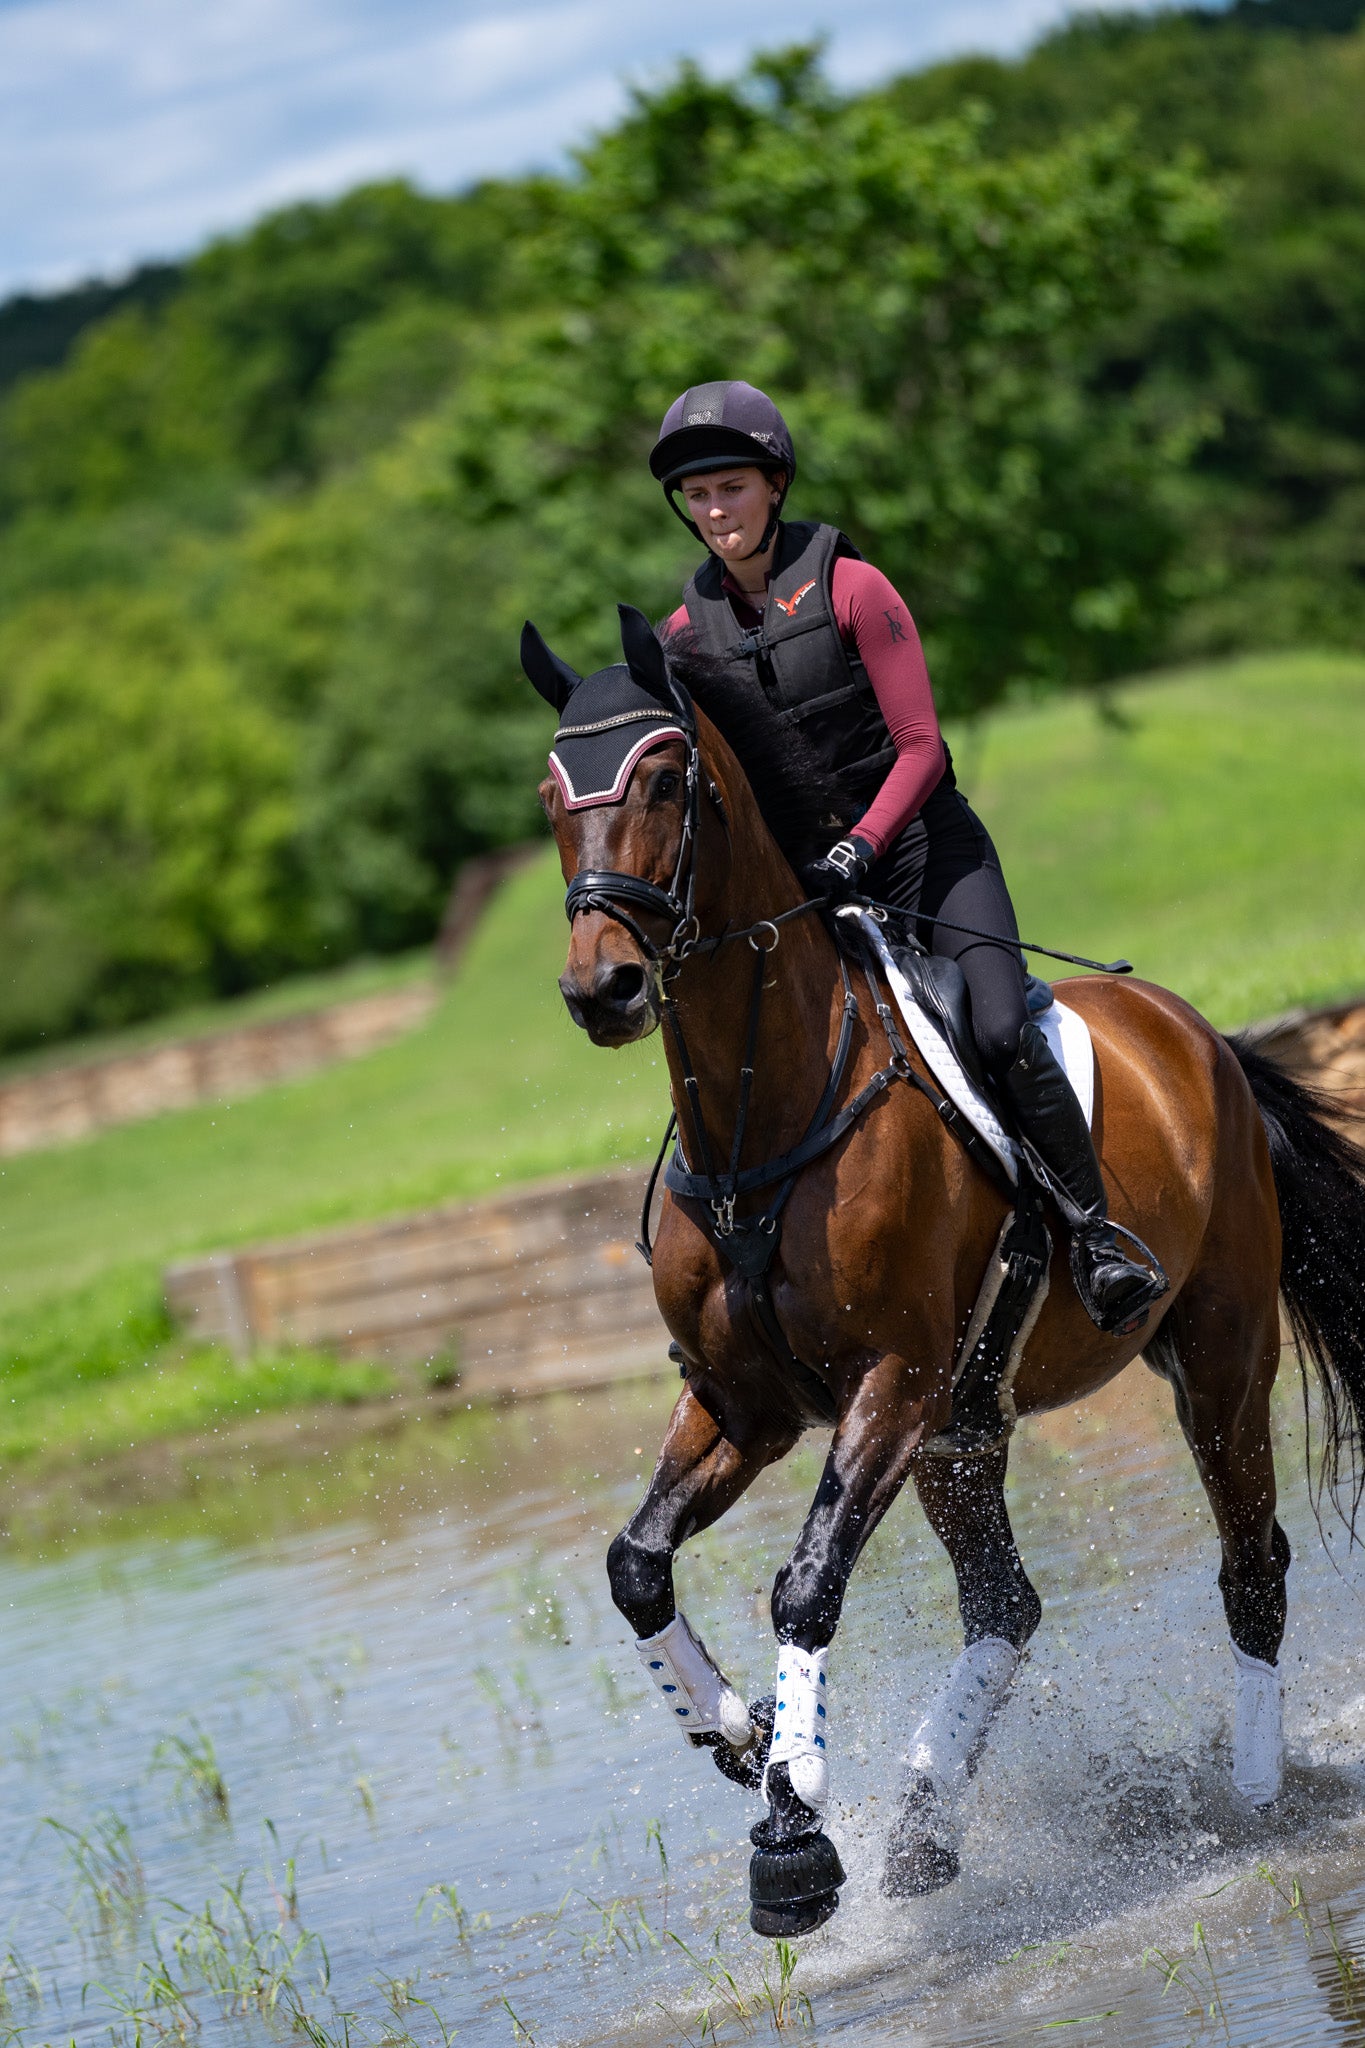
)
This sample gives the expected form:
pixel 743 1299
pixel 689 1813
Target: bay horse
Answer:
pixel 819 1257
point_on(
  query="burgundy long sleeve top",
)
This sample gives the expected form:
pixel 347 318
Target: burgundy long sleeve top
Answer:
pixel 872 617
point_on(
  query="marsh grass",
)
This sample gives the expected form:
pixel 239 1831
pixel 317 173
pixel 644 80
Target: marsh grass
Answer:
pixel 442 1902
pixel 21 1987
pixel 735 1999
pixel 192 1764
pixel 110 1883
pixel 1193 1970
pixel 246 1955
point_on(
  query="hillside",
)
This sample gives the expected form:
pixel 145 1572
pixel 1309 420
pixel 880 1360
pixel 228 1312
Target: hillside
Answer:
pixel 1209 827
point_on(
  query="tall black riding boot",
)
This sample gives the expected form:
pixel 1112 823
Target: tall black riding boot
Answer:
pixel 1115 1291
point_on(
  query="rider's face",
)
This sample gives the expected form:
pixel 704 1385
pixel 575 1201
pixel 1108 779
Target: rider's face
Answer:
pixel 730 508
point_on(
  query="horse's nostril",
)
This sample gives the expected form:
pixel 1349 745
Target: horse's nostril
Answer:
pixel 623 986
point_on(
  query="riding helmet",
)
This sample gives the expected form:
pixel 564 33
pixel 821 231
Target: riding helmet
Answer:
pixel 715 424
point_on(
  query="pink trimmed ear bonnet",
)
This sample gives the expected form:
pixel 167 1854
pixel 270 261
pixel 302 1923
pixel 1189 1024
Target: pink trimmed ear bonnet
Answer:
pixel 608 723
pixel 608 720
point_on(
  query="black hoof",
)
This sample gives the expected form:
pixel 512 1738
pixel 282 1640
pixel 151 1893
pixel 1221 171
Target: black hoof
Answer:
pixel 920 1857
pixel 793 1887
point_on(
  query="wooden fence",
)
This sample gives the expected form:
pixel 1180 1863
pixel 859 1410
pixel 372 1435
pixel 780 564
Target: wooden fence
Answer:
pixel 528 1292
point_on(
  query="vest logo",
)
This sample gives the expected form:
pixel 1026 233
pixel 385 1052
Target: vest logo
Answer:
pixel 789 604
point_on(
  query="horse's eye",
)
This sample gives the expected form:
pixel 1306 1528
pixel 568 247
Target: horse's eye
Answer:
pixel 666 786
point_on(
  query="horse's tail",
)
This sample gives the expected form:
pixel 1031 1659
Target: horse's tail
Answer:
pixel 1320 1183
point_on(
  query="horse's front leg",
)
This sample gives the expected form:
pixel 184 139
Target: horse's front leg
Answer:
pixel 795 1873
pixel 700 1473
pixel 964 1499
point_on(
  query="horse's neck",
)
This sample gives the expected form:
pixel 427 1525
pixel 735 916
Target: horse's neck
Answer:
pixel 802 992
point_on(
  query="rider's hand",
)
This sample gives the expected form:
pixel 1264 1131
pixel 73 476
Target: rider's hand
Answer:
pixel 839 873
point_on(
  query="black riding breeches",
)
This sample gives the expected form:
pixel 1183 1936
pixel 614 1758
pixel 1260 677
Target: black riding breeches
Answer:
pixel 943 865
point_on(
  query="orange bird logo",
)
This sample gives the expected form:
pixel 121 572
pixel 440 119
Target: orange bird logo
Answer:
pixel 789 604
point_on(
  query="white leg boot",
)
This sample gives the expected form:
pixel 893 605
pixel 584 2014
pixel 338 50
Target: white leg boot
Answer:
pixel 699 1697
pixel 922 1855
pixel 1257 1729
pixel 801 1724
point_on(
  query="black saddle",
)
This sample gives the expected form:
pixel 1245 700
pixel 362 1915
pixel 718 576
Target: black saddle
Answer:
pixel 940 988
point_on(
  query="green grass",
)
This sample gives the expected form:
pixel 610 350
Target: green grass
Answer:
pixel 1212 828
pixel 269 1005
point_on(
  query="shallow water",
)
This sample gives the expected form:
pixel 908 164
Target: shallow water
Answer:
pixel 411 1675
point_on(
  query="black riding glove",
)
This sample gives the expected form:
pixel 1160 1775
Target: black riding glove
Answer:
pixel 839 873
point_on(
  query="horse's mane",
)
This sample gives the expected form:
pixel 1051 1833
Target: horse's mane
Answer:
pixel 800 802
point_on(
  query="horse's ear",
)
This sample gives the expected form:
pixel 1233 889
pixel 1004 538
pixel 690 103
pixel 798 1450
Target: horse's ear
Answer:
pixel 554 679
pixel 647 664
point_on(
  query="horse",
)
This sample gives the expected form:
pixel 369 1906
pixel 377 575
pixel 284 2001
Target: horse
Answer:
pixel 825 1271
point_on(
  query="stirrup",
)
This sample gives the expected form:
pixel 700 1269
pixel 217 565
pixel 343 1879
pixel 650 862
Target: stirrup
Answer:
pixel 1131 1291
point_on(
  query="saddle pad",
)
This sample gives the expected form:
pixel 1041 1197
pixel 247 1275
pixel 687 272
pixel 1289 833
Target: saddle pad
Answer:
pixel 1066 1032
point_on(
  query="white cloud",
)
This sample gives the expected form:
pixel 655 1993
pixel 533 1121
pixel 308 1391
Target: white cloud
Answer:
pixel 135 128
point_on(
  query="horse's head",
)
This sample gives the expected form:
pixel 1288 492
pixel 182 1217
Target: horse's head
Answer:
pixel 622 800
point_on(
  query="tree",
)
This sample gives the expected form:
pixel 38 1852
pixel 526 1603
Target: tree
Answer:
pixel 924 312
pixel 146 821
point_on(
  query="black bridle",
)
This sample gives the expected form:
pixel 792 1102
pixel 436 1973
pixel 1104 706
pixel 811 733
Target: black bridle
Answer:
pixel 611 890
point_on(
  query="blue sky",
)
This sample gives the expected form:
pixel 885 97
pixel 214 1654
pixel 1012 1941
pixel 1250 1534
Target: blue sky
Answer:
pixel 137 128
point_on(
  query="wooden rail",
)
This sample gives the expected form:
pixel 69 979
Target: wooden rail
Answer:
pixel 528 1292
pixel 59 1104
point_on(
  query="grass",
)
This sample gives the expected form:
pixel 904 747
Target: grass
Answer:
pixel 1208 825
pixel 1211 828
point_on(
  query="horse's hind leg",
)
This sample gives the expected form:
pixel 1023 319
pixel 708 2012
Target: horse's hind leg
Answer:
pixel 964 1500
pixel 1221 1354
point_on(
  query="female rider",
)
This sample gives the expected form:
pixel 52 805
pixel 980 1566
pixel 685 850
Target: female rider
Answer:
pixel 833 646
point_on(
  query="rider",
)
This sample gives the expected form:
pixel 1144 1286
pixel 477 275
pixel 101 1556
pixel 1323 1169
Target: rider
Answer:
pixel 833 646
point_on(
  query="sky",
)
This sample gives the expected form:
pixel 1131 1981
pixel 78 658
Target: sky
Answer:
pixel 134 129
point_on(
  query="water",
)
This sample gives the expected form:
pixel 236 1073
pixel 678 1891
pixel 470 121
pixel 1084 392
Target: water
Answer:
pixel 406 1662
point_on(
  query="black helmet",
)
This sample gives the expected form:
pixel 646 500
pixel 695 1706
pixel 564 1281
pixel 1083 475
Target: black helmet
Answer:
pixel 715 424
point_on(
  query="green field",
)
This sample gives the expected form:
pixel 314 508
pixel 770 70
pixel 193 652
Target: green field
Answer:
pixel 1211 826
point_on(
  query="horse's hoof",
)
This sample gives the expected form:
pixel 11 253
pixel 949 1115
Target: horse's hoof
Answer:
pixel 921 1857
pixel 793 1886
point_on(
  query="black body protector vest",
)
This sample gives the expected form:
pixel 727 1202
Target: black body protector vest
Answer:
pixel 799 658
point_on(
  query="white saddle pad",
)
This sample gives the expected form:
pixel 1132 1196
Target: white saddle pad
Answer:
pixel 1067 1033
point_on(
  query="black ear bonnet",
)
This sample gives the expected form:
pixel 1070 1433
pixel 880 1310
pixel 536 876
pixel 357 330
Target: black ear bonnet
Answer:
pixel 609 719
